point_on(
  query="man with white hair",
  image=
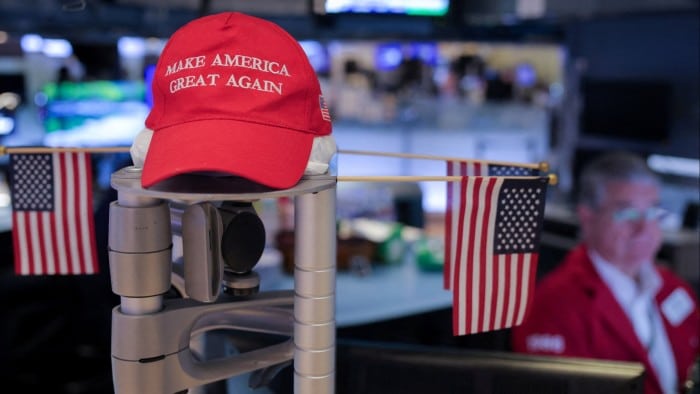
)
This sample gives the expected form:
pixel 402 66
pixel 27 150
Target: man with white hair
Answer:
pixel 608 299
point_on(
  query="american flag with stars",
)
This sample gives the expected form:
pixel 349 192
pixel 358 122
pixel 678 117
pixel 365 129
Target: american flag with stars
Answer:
pixel 468 168
pixel 52 214
pixel 498 236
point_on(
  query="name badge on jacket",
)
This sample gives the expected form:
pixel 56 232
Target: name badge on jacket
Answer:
pixel 677 306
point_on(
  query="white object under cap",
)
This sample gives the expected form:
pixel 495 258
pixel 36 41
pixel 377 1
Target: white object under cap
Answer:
pixel 322 151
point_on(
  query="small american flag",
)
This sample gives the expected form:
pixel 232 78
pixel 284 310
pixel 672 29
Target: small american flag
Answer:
pixel 497 248
pixel 468 168
pixel 53 228
pixel 325 112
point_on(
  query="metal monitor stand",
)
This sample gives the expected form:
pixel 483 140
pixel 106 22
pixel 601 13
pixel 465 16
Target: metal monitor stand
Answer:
pixel 151 335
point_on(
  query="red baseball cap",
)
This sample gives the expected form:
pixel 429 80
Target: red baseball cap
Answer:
pixel 234 94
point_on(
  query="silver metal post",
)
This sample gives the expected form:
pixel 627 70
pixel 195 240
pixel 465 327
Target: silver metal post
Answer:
pixel 151 336
pixel 131 301
pixel 314 287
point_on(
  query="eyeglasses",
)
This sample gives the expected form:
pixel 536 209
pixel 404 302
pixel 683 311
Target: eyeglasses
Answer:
pixel 626 215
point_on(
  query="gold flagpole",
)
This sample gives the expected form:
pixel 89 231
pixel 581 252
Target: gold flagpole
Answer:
pixel 542 166
pixel 421 178
pixel 5 150
pixel 398 178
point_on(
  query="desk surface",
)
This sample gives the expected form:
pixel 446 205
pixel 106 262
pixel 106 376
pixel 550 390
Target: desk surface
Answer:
pixel 387 292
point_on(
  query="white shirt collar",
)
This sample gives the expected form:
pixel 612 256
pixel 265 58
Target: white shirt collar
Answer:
pixel 624 288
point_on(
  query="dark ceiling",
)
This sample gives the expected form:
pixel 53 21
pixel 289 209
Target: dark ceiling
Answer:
pixel 106 20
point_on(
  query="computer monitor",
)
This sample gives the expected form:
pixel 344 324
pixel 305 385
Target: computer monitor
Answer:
pixel 401 7
pixel 378 367
pixel 92 113
pixel 626 110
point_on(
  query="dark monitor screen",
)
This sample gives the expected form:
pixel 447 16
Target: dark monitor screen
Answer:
pixel 371 367
pixel 637 110
pixel 100 59
pixel 13 83
pixel 12 95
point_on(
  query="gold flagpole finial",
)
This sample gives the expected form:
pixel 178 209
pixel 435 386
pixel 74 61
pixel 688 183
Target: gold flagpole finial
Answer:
pixel 3 150
pixel 544 166
pixel 553 179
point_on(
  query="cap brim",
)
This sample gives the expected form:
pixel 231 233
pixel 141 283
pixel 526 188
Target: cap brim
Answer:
pixel 272 156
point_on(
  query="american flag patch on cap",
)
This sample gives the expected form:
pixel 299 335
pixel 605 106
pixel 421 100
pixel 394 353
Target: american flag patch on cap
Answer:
pixel 325 113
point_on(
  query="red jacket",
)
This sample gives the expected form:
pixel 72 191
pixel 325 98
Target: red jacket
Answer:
pixel 573 313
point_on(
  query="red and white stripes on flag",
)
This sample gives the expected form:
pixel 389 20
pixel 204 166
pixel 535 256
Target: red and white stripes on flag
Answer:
pixel 52 214
pixel 500 221
pixel 468 168
pixel 458 168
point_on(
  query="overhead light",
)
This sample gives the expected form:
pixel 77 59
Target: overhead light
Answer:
pixel 671 165
pixel 154 45
pixel 57 47
pixel 51 47
pixel 31 43
pixel 4 198
pixel 131 47
pixel 7 124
